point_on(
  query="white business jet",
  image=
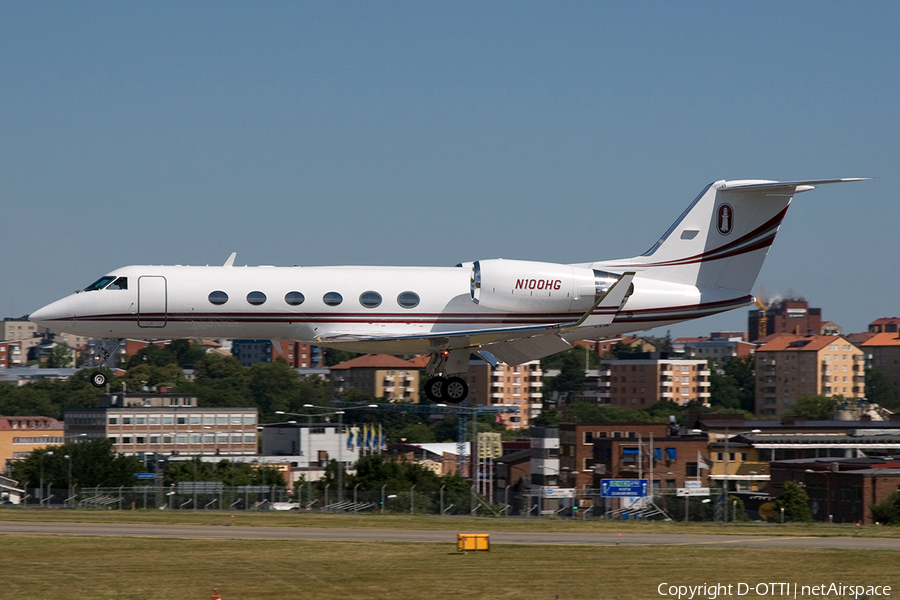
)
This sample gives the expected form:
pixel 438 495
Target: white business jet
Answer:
pixel 502 310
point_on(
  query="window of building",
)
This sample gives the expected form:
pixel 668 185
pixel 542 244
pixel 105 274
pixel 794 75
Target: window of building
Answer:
pixel 140 420
pixel 221 419
pixel 113 420
pixel 235 419
pixel 182 420
pixel 249 419
pixel 168 419
pixel 195 419
pixel 181 438
pixel 209 419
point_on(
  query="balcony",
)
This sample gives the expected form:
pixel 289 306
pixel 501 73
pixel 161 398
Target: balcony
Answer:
pixel 667 395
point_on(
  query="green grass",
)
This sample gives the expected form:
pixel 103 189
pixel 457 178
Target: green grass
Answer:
pixel 434 523
pixel 50 567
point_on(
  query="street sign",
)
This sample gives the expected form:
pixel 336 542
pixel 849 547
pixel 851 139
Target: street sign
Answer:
pixel 692 491
pixel 623 488
pixel 145 475
pixel 554 492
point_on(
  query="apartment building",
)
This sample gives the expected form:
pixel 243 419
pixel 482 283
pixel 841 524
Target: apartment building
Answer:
pixel 517 387
pixel 167 423
pixel 378 375
pixel 20 436
pixel 792 316
pixel 883 354
pixel 790 366
pixel 297 355
pixel 640 383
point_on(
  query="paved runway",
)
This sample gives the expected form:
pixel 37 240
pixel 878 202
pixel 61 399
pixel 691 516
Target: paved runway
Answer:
pixel 411 535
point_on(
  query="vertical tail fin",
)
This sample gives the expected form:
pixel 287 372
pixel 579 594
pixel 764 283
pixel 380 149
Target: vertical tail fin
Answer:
pixel 722 239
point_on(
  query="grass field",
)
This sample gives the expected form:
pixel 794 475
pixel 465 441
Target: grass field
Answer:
pixel 78 568
pixel 434 523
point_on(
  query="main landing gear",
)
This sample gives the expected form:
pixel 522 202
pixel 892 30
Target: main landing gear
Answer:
pixel 451 390
pixel 98 378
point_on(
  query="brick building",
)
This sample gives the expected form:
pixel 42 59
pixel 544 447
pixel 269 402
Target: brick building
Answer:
pixel 517 387
pixel 790 366
pixel 640 383
pixel 792 316
pixel 839 490
pixel 883 355
pixel 668 462
pixel 378 375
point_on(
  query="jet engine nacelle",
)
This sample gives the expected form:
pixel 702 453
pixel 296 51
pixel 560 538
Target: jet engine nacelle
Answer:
pixel 526 286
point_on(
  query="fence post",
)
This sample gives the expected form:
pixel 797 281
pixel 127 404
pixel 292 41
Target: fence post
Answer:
pixel 382 498
pixel 325 506
pixel 412 500
pixel 442 500
pixel 355 503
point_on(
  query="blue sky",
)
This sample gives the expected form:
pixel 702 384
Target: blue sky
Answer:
pixel 429 133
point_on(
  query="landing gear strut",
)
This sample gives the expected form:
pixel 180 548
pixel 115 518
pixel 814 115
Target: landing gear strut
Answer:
pixel 98 378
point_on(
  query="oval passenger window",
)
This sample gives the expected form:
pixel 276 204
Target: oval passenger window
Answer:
pixel 294 298
pixel 333 299
pixel 256 298
pixel 218 297
pixel 370 299
pixel 408 299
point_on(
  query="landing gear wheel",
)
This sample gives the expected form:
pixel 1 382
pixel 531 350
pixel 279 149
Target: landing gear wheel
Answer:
pixel 98 379
pixel 434 389
pixel 455 390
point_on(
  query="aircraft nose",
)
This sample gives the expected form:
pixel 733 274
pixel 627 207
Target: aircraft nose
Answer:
pixel 52 313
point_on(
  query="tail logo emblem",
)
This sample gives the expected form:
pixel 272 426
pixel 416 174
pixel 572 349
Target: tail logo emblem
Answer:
pixel 725 219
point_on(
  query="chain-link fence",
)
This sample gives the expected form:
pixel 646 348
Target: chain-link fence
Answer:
pixel 583 503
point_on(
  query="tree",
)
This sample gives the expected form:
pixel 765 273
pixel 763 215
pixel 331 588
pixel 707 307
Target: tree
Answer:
pixel 887 512
pixel 94 462
pixel 795 502
pixel 816 407
pixel 880 391
pixel 733 385
pixel 60 357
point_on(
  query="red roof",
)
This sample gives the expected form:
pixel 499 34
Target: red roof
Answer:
pixel 788 341
pixel 421 361
pixel 375 361
pixel 883 339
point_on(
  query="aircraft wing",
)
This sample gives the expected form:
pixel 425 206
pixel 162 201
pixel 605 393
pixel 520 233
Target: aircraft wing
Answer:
pixel 512 345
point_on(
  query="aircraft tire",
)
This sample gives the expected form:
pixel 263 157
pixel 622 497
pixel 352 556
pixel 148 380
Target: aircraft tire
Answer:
pixel 98 379
pixel 434 388
pixel 454 390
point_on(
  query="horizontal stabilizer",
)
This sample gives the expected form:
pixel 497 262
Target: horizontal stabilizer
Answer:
pixel 766 185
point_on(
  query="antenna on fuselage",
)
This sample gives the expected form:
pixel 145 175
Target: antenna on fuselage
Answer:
pixel 230 261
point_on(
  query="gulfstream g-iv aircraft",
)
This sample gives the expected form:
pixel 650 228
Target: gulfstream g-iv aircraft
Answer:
pixel 503 310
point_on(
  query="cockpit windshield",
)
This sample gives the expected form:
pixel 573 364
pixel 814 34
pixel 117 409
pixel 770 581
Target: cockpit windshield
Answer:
pixel 100 283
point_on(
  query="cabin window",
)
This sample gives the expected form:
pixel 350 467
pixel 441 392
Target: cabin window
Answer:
pixel 370 299
pixel 119 284
pixel 100 283
pixel 332 299
pixel 256 298
pixel 218 297
pixel 408 299
pixel 294 298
